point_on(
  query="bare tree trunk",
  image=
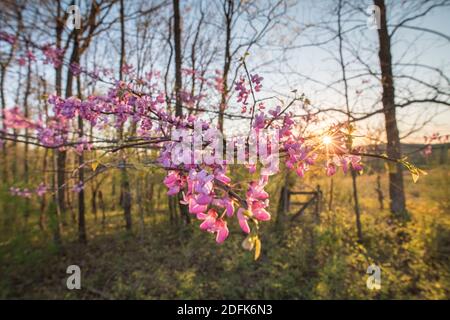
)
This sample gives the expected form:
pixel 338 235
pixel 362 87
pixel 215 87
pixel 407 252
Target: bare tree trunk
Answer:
pixel 330 199
pixel 94 202
pixel 4 153
pixel 55 223
pixel 178 85
pixel 393 149
pixel 26 146
pixel 43 202
pixel 102 207
pixel 380 193
pixel 350 138
pixel 228 7
pixel 82 237
pixel 178 58
pixel 81 206
pixel 61 154
pixel 125 195
pixel 356 203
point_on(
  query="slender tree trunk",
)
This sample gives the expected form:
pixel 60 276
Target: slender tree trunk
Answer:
pixel 380 193
pixel 43 202
pixel 122 40
pixel 356 204
pixel 350 138
pixel 178 84
pixel 228 11
pixel 4 153
pixel 81 205
pixel 94 202
pixel 393 149
pixel 4 65
pixel 102 207
pixel 61 154
pixel 125 195
pixel 178 58
pixel 330 199
pixel 26 146
pixel 55 223
pixel 82 236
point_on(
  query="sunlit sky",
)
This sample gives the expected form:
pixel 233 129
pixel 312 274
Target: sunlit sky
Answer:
pixel 309 68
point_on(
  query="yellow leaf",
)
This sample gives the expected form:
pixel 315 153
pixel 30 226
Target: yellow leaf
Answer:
pixel 415 176
pixel 257 248
pixel 424 173
pixel 94 165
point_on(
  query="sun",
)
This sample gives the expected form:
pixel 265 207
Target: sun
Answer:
pixel 327 140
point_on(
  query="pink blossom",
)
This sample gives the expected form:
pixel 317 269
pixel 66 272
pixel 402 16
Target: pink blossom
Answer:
pixel 41 189
pixel 256 190
pixel 25 193
pixel 243 220
pixel 219 174
pixel 16 120
pixel 256 79
pixel 356 162
pixel 4 36
pixel 75 68
pixel 259 121
pixel 251 168
pixel 53 55
pixel 243 92
pixel 301 169
pixel 275 113
pixel 78 187
pixel 174 182
pixel 259 212
pixel 427 151
pixel 127 68
pixel 196 207
pixel 222 230
pixel 214 225
pixel 331 169
pixel 226 203
pixel 22 61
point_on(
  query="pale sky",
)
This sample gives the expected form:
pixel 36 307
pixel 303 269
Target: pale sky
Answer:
pixel 408 46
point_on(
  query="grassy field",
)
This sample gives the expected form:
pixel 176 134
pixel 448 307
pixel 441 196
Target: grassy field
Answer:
pixel 300 260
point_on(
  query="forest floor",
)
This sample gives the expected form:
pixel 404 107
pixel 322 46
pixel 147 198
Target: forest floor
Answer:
pixel 299 260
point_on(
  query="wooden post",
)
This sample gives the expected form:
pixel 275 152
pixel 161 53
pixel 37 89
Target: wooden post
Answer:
pixel 318 197
pixel 380 193
pixel 330 199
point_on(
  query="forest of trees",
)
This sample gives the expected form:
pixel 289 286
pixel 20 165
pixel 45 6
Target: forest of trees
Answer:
pixel 96 95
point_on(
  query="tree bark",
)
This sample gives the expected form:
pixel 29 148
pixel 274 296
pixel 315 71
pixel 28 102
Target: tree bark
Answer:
pixel 125 196
pixel 60 154
pixel 356 204
pixel 178 85
pixel 393 149
pixel 82 237
pixel 178 58
pixel 228 11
